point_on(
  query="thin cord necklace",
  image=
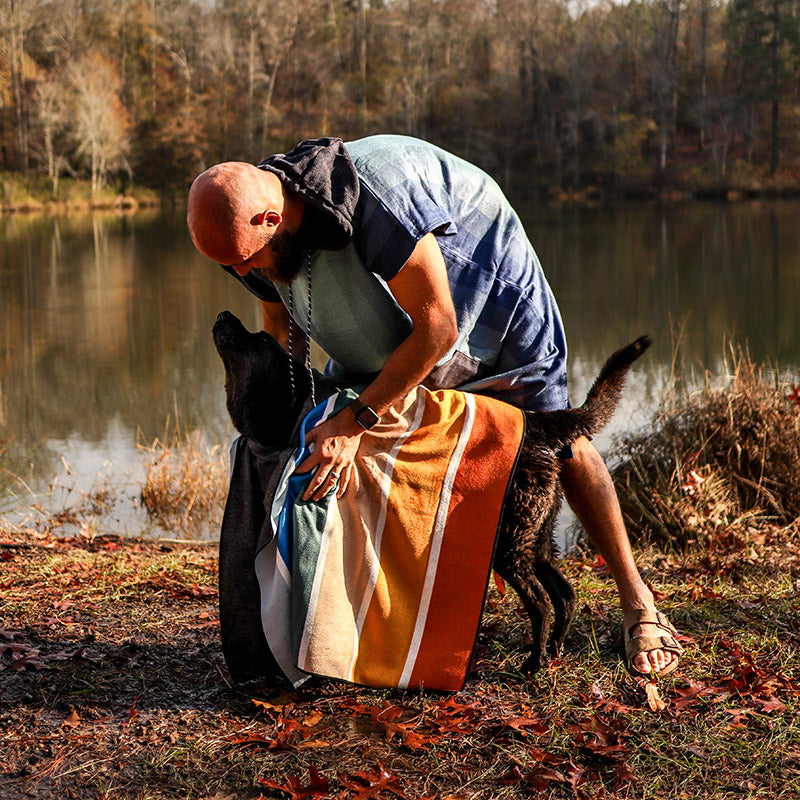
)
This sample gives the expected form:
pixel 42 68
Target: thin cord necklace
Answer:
pixel 292 382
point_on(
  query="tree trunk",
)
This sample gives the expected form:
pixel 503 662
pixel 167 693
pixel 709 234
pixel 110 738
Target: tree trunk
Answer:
pixel 16 57
pixel 774 43
pixel 361 54
pixel 703 71
pixel 251 80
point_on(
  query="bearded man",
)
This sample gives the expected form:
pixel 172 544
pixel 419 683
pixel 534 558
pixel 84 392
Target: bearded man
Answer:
pixel 408 266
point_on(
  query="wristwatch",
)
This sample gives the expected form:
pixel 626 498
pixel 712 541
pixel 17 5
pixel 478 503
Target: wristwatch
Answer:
pixel 364 415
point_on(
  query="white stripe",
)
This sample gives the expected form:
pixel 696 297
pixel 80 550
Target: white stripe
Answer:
pixel 274 583
pixel 436 541
pixel 372 557
pixel 275 580
pixel 313 600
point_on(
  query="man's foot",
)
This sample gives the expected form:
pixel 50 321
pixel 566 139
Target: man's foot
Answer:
pixel 651 645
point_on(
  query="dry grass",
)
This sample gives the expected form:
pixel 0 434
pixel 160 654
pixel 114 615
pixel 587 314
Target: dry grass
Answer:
pixel 725 458
pixel 186 481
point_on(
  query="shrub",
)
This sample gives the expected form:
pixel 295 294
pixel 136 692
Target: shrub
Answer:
pixel 714 459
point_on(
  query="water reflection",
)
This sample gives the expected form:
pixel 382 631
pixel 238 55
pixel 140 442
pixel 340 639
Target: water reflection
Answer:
pixel 105 320
pixel 718 272
pixel 105 329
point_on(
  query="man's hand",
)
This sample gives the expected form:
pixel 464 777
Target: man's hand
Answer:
pixel 334 448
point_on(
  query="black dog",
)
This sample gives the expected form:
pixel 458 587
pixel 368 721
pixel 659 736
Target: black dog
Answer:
pixel 262 408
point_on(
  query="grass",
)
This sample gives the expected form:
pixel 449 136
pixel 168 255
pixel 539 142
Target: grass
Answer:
pixel 186 480
pixel 33 192
pixel 113 685
pixel 112 682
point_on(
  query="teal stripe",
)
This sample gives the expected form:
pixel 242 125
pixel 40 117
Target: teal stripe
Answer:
pixel 308 522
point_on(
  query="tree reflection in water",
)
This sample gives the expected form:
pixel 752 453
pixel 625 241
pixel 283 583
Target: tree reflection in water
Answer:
pixel 105 320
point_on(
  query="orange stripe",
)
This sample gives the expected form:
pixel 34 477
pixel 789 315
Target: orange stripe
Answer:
pixel 467 547
pixel 391 618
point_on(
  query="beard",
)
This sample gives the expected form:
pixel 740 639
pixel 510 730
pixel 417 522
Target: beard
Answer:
pixel 287 256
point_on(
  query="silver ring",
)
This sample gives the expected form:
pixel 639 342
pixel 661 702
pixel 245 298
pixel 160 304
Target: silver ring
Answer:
pixel 334 475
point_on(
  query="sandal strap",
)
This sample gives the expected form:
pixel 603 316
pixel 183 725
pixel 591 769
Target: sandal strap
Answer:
pixel 641 616
pixel 646 644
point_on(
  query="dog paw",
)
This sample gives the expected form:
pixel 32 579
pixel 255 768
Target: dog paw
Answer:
pixel 533 664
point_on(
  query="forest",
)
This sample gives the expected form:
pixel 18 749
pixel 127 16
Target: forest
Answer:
pixel 550 96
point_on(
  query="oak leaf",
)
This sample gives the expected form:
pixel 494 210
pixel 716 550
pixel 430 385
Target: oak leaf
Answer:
pixel 370 784
pixel 294 787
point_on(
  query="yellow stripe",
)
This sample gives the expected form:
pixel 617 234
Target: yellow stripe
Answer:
pixel 420 466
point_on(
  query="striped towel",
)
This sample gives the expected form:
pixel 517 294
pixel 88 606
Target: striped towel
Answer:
pixel 385 586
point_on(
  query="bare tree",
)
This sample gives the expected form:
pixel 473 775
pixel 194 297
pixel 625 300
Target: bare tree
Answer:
pixel 665 75
pixel 100 121
pixel 53 116
pixel 16 19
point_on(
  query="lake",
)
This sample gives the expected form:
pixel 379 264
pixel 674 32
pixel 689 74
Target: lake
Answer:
pixel 105 327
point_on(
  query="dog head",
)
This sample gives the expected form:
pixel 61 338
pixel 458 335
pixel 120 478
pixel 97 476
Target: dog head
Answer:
pixel 257 382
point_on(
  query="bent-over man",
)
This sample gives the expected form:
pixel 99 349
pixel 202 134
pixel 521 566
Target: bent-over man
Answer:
pixel 414 269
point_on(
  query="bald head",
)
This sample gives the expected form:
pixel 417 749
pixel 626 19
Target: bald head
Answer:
pixel 226 209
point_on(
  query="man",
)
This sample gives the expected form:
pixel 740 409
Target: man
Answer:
pixel 409 266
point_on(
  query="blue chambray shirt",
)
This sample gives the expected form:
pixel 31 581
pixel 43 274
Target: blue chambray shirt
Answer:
pixel 511 343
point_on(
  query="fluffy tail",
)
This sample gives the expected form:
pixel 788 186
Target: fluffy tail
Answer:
pixel 561 428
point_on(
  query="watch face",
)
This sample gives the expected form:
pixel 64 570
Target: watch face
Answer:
pixel 366 417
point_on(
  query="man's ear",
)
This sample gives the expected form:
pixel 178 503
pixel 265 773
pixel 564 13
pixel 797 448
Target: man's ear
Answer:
pixel 268 217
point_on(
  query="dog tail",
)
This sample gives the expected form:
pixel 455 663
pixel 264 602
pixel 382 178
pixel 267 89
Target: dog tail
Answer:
pixel 561 428
pixel 603 397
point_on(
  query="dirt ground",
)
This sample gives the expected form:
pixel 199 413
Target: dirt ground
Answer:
pixel 113 684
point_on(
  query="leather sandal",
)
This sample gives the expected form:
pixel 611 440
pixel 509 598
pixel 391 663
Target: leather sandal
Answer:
pixel 645 644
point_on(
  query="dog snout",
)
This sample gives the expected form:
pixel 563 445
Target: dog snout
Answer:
pixel 228 330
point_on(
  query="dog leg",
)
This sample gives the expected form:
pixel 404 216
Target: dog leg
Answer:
pixel 536 602
pixel 562 597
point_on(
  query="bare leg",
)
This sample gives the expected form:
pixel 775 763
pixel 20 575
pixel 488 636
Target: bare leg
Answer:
pixel 590 492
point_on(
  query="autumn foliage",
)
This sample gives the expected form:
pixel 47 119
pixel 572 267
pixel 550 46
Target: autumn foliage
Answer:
pixel 548 96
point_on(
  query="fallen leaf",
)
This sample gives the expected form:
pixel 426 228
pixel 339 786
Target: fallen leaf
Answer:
pixel 654 699
pixel 369 784
pixel 312 718
pixel 72 721
pixel 690 695
pixel 770 704
pixel 525 724
pixel 540 778
pixel 23 655
pixel 278 702
pixel 452 716
pixel 599 566
pixel 623 775
pixel 612 706
pixel 512 777
pixel 385 713
pixel 312 744
pixel 546 758
pixel 251 738
pixel 319 786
